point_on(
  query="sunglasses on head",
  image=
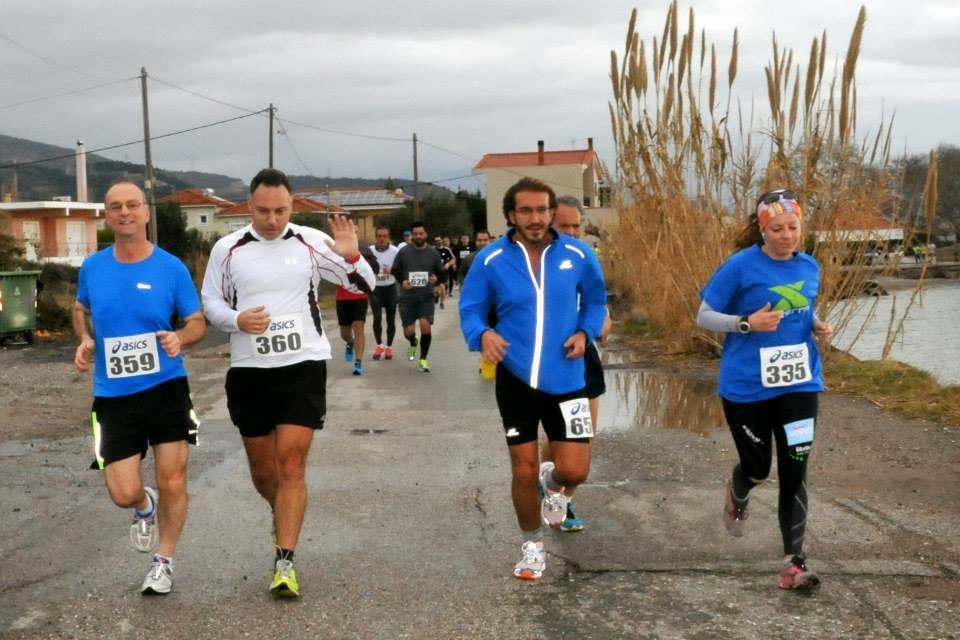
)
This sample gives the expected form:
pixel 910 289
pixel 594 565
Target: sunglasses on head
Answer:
pixel 777 196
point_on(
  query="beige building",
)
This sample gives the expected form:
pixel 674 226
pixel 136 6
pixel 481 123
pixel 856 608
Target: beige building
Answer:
pixel 202 210
pixel 367 206
pixel 574 172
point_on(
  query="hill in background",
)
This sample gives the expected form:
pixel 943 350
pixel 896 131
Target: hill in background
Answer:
pixel 55 176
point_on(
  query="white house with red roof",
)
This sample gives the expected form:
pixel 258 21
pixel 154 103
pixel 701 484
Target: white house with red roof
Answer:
pixel 573 172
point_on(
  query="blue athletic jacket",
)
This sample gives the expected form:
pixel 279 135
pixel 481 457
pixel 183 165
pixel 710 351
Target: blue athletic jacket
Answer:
pixel 536 313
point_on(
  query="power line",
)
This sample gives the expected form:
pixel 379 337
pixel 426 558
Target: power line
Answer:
pixel 439 148
pixel 469 175
pixel 134 142
pixel 43 57
pixel 248 112
pixel 346 133
pixel 204 97
pixel 286 135
pixel 68 93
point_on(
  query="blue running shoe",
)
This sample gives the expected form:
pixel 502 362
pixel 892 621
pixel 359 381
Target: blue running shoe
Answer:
pixel 357 368
pixel 571 523
pixel 348 353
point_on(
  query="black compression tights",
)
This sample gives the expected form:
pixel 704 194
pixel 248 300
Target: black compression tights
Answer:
pixel 755 427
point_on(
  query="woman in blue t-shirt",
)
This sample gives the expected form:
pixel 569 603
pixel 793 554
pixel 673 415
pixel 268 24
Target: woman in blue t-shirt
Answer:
pixel 764 298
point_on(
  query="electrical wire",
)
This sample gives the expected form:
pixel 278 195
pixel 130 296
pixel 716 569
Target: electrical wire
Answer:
pixel 283 131
pixel 202 96
pixel 346 133
pixel 43 57
pixel 67 93
pixel 247 113
pixel 129 144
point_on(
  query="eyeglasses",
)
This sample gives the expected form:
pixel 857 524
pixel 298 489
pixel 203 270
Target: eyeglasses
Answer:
pixel 528 210
pixel 117 207
pixel 777 196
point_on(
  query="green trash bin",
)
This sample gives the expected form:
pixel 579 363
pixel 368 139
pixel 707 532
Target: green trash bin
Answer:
pixel 18 305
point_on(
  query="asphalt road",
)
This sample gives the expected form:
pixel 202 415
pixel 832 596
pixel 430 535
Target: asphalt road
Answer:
pixel 410 534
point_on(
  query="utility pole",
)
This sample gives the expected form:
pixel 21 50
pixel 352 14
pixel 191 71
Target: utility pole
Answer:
pixel 416 181
pixel 147 162
pixel 270 138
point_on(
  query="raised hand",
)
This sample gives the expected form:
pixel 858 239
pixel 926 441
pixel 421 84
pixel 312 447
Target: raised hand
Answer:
pixel 344 231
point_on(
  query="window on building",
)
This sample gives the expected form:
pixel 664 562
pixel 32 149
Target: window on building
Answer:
pixel 203 218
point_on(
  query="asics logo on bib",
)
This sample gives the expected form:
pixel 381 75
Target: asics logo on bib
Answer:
pixel 135 345
pixel 790 297
pixel 285 324
pixel 786 355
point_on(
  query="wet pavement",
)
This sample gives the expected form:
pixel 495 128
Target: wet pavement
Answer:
pixel 410 532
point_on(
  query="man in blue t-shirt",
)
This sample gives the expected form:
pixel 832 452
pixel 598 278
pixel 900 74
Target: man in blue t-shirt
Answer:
pixel 127 296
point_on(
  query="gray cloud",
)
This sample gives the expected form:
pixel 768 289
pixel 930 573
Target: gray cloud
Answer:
pixel 468 77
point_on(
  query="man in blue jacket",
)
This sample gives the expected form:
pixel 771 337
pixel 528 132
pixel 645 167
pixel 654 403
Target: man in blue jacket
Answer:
pixel 549 295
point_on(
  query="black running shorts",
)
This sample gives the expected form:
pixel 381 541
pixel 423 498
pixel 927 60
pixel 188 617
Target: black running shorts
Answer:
pixel 260 399
pixel 413 308
pixel 593 372
pixel 124 426
pixel 350 311
pixel 523 409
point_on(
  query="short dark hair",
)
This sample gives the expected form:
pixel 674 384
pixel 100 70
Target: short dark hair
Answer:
pixel 417 223
pixel 270 177
pixel 526 184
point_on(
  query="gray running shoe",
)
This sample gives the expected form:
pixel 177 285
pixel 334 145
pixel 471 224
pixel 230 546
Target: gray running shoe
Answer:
pixel 553 507
pixel 143 531
pixel 159 579
pixel 533 563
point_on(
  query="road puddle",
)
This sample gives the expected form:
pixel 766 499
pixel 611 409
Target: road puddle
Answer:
pixel 637 399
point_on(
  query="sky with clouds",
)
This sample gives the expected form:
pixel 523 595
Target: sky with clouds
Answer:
pixel 352 82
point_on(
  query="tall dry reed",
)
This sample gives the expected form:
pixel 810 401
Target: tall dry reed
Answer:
pixel 691 162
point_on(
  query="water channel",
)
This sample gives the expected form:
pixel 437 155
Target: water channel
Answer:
pixel 930 339
pixel 640 399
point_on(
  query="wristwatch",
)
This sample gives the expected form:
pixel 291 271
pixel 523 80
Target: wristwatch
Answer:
pixel 743 325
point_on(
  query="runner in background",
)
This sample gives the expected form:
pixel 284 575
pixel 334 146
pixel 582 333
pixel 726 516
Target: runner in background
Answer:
pixel 569 220
pixel 383 301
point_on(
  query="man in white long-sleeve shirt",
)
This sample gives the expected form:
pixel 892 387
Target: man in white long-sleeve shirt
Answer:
pixel 261 286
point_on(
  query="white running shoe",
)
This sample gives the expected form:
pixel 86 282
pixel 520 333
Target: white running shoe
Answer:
pixel 533 562
pixel 553 507
pixel 159 579
pixel 143 531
